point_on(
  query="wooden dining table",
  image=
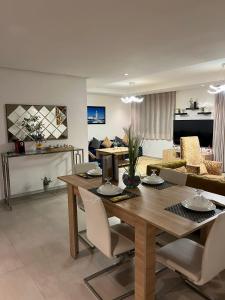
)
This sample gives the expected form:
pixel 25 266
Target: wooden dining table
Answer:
pixel 146 213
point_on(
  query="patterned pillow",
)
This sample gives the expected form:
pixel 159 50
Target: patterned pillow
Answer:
pixel 193 169
pixel 213 167
pixel 107 143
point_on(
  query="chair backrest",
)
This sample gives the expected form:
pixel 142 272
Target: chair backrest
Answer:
pixel 173 176
pixel 213 261
pixel 83 168
pixel 191 150
pixel 98 229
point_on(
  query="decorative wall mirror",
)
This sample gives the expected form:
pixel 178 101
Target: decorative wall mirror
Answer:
pixel 51 118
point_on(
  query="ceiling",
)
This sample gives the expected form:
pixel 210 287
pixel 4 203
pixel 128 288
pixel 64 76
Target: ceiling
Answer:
pixel 161 44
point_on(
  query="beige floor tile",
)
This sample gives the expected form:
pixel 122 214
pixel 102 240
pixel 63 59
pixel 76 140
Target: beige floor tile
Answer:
pixel 17 285
pixel 35 262
pixel 9 259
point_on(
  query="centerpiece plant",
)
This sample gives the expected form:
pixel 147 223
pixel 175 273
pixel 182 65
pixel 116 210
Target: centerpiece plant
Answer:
pixel 130 178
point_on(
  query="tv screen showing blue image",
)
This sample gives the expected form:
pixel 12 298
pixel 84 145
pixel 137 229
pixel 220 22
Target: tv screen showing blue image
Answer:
pixel 96 114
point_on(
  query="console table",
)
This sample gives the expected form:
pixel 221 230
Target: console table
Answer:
pixel 77 156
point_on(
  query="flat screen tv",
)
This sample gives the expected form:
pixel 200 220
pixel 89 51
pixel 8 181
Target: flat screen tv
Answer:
pixel 201 128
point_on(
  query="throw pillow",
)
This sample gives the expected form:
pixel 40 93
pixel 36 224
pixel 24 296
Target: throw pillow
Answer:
pixel 95 143
pixel 203 170
pixel 181 169
pixel 213 167
pixel 107 143
pixel 125 140
pixel 118 141
pixel 193 169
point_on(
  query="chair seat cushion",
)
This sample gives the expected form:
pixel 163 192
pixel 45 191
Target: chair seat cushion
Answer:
pixel 122 238
pixel 184 256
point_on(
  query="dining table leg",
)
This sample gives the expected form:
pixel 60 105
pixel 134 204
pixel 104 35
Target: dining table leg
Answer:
pixel 73 222
pixel 144 261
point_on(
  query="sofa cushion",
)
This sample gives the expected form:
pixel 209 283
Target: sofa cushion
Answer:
pixel 213 167
pixel 220 177
pixel 95 143
pixel 107 143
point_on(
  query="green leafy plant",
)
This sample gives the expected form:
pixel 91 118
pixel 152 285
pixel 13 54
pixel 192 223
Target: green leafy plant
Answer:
pixel 134 142
pixel 34 127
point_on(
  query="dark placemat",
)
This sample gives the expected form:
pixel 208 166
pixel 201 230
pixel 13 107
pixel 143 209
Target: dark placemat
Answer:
pixel 198 217
pixel 86 176
pixel 124 196
pixel 161 186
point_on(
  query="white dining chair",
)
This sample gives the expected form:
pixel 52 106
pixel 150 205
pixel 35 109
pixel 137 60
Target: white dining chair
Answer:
pixel 196 263
pixel 84 167
pixel 78 169
pixel 113 241
pixel 173 176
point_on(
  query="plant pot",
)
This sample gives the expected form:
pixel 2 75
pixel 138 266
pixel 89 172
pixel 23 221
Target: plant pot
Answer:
pixel 131 182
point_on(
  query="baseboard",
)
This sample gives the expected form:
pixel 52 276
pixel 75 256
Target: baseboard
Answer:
pixel 42 191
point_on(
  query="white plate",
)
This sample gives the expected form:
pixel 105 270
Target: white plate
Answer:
pixel 113 192
pixel 95 172
pixel 147 180
pixel 194 205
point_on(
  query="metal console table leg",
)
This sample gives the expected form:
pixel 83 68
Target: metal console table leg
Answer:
pixel 6 181
pixel 72 161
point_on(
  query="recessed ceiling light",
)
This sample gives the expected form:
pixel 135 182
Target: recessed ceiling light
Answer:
pixel 125 74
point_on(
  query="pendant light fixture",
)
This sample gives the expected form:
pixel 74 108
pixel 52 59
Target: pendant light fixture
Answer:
pixel 218 88
pixel 132 98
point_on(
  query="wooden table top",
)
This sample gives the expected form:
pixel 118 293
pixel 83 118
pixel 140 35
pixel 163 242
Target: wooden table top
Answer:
pixel 150 204
pixel 114 151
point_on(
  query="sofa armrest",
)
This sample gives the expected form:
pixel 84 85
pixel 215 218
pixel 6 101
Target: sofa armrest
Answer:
pixel 171 165
pixel 216 186
pixel 214 167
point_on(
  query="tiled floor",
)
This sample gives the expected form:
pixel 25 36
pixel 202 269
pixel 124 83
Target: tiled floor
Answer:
pixel 35 263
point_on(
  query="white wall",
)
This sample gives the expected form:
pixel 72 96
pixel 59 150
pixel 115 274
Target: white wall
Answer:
pixel 117 117
pixel 21 87
pixel 155 148
pixel 201 96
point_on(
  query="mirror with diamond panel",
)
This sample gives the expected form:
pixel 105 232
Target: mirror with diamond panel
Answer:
pixel 53 119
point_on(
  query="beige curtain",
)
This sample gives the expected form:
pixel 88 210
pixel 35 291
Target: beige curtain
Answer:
pixel 219 129
pixel 153 118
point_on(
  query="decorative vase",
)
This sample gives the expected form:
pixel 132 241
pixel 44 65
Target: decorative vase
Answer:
pixel 39 145
pixel 131 182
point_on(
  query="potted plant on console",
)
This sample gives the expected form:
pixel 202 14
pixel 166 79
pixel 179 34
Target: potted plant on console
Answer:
pixel 130 178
